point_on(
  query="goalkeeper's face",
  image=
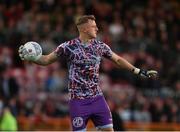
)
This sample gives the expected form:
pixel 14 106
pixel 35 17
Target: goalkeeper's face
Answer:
pixel 91 29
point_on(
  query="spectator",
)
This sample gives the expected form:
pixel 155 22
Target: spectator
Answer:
pixel 8 121
pixel 8 85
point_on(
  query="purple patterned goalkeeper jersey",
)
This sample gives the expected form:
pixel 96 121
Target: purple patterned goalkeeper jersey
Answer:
pixel 83 65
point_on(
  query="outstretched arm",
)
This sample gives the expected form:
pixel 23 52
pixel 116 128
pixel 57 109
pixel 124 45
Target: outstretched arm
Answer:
pixel 43 60
pixel 122 63
pixel 46 59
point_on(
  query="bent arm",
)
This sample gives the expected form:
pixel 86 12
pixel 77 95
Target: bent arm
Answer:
pixel 122 63
pixel 46 59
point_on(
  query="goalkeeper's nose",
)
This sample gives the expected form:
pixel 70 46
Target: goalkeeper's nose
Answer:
pixel 97 29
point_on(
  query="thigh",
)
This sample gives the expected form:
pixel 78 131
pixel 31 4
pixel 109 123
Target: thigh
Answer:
pixel 101 116
pixel 79 122
pixel 79 115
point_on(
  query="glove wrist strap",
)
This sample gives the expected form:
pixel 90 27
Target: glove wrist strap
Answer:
pixel 136 70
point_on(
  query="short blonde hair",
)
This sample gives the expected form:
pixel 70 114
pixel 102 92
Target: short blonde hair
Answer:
pixel 84 19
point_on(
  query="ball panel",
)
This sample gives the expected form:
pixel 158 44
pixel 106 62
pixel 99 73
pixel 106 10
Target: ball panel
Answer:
pixel 34 50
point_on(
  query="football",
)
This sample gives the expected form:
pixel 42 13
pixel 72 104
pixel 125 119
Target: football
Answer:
pixel 34 50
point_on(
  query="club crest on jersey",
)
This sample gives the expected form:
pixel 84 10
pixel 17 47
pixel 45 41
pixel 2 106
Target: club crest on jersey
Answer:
pixel 77 121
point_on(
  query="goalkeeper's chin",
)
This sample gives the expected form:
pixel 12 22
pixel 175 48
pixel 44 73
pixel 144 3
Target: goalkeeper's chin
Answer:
pixel 92 35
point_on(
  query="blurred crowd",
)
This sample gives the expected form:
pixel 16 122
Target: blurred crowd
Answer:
pixel 145 32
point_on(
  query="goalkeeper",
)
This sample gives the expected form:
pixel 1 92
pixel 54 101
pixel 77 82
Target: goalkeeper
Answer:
pixel 83 55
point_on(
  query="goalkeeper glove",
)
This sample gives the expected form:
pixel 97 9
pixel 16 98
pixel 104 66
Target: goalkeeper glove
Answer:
pixel 23 54
pixel 145 73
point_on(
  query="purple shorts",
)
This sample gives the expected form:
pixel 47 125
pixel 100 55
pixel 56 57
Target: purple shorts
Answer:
pixel 95 109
